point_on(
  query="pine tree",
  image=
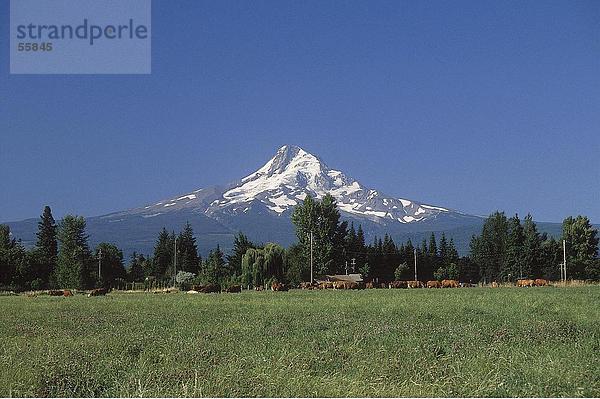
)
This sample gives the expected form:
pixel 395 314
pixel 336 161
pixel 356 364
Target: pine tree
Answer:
pixel 444 255
pixel 512 266
pixel 15 265
pixel 452 252
pixel 46 247
pixel 163 254
pixel 532 249
pixel 241 244
pixel 322 219
pixel 297 265
pixel 213 269
pixel 187 251
pixel 111 263
pixel 488 251
pixel 582 248
pixel 74 258
pixel 136 272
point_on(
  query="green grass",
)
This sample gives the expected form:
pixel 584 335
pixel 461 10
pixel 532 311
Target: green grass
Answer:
pixel 453 342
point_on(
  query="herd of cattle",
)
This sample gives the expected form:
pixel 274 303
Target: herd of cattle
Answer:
pixel 324 285
pixel 410 284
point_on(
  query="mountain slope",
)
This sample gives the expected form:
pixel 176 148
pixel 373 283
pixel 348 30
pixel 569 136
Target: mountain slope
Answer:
pixel 260 205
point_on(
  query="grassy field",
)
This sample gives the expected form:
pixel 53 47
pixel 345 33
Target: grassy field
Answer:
pixel 454 342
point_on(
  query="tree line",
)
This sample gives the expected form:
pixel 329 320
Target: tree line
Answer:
pixel 506 249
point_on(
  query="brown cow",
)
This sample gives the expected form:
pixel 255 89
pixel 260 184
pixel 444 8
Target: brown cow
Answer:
pixel 326 285
pixel 98 292
pixel 540 282
pixel 370 285
pixel 55 293
pixel 434 284
pixel 525 283
pixel 415 284
pixel 234 288
pixel 449 284
pixel 67 293
pixel 278 287
pixel 208 288
pixel 398 284
pixel 345 285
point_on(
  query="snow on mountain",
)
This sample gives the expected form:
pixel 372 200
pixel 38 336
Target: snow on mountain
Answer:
pixel 285 180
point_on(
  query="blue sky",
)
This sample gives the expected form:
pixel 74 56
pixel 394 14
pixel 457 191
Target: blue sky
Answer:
pixel 476 106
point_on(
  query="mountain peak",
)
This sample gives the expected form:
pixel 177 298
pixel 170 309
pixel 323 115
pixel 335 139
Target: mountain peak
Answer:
pixel 285 181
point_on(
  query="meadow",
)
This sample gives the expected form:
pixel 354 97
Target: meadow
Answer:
pixel 504 342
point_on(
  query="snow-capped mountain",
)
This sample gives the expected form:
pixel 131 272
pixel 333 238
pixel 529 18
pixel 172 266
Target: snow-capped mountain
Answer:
pixel 261 204
pixel 286 179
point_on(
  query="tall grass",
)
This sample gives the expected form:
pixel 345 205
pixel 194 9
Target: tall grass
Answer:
pixel 455 342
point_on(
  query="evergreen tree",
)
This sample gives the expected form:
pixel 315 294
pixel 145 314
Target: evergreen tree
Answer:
pixel 15 266
pixel 213 269
pixel 46 247
pixel 551 256
pixel 452 252
pixel 322 219
pixel 74 258
pixel 187 252
pixel 488 250
pixel 297 265
pixel 163 254
pixel 513 266
pixel 137 271
pixel 532 249
pixel 111 261
pixel 444 255
pixel 582 248
pixel 241 244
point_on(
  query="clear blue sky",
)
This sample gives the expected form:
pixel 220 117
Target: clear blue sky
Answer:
pixel 476 106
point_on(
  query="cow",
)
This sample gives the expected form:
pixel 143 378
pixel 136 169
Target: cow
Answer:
pixel 434 284
pixel 306 286
pixel 449 284
pixel 494 284
pixel 346 285
pixel 398 284
pixel 540 282
pixel 525 283
pixel 67 293
pixel 259 288
pixel 192 292
pixel 55 293
pixel 275 286
pixel 234 288
pixel 98 292
pixel 370 285
pixel 324 285
pixel 466 285
pixel 414 284
pixel 208 288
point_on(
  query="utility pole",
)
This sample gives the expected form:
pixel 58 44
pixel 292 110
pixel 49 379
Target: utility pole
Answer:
pixel 565 260
pixel 311 257
pixel 353 265
pixel 346 268
pixel 415 264
pixel 175 263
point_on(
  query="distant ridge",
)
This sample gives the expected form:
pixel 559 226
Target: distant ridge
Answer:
pixel 261 204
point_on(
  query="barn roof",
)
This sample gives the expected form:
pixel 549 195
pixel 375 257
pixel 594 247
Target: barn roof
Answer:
pixel 354 277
